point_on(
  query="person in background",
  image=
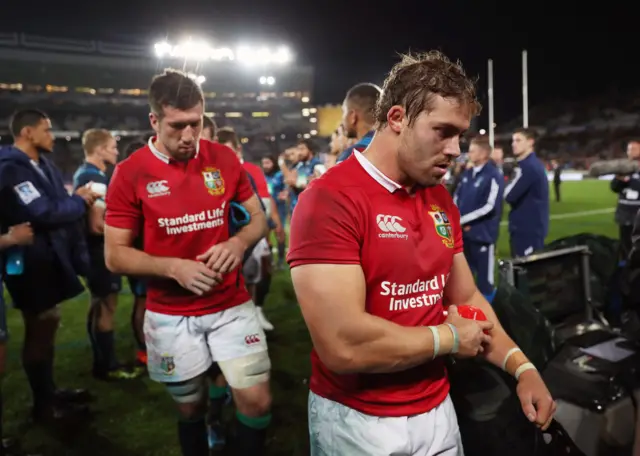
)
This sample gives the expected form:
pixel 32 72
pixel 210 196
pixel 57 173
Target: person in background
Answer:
pixel 101 151
pixel 305 163
pixel 209 128
pixel 528 195
pixel 628 190
pixel 337 144
pixel 226 136
pixel 18 235
pixel 138 287
pixel 479 199
pixel 557 178
pixel 41 276
pixel 358 116
pixel 277 187
pixel 497 156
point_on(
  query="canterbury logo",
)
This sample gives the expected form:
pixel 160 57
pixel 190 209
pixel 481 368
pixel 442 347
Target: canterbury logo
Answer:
pixel 252 339
pixel 157 188
pixel 390 224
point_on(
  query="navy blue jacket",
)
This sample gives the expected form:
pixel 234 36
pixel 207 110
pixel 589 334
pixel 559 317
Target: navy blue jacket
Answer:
pixel 479 199
pixel 528 195
pixel 35 193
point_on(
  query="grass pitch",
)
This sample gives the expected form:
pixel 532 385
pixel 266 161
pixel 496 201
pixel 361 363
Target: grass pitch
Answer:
pixel 138 419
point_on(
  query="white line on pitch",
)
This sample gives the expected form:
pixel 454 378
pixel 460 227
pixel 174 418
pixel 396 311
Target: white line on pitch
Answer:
pixel 609 210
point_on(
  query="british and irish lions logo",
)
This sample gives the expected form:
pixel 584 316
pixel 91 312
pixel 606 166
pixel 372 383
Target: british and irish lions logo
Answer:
pixel 442 225
pixel 213 181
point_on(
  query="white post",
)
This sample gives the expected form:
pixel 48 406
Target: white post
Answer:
pixel 525 91
pixel 490 94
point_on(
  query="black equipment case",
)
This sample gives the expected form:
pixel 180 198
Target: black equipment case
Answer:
pixel 596 391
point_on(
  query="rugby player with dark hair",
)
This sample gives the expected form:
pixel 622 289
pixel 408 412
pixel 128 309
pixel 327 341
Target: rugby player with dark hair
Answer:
pixel 358 116
pixel 178 191
pixel 32 191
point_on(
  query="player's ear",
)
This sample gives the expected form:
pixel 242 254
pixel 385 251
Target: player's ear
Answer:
pixel 154 120
pixel 395 118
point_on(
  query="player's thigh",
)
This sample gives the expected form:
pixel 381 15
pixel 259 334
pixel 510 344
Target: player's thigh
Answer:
pixel 436 432
pixel 335 429
pixel 177 350
pixel 238 344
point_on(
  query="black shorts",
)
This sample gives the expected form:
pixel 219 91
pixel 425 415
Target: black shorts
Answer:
pixel 100 281
pixel 4 333
pixel 138 286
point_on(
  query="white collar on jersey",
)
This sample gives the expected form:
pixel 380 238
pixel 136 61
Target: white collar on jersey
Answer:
pixel 163 157
pixel 376 174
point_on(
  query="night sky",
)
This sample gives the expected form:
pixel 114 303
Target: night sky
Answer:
pixel 573 52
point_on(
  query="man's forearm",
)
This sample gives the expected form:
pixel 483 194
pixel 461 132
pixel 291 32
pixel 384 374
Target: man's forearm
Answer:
pixel 6 241
pixel 255 230
pixel 130 261
pixel 376 345
pixel 501 343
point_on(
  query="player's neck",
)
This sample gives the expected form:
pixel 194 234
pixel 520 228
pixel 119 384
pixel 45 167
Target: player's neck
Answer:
pixel 382 153
pixel 525 155
pixel 95 161
pixel 362 130
pixel 27 149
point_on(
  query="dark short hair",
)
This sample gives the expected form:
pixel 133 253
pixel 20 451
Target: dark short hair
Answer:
pixel 309 145
pixel 418 78
pixel 207 122
pixel 364 97
pixel 175 89
pixel 25 118
pixel 526 132
pixel 133 146
pixel 228 135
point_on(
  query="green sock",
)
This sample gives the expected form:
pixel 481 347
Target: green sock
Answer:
pixel 217 392
pixel 257 423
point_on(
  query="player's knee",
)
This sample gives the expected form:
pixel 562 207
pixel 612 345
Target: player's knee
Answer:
pixel 50 317
pixel 189 397
pixel 247 371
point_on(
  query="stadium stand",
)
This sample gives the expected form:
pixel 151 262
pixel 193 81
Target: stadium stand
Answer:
pixel 90 84
pixel 581 132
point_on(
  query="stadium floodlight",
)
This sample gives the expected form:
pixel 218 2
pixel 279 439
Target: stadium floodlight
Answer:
pixel 267 80
pixel 200 79
pixel 199 50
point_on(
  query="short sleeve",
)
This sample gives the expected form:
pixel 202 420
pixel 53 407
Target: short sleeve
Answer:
pixel 85 177
pixel 457 229
pixel 324 229
pixel 123 206
pixel 244 190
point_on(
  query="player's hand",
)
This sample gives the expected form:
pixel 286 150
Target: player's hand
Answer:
pixel 279 231
pixel 87 194
pixel 224 257
pixel 195 276
pixel 21 234
pixel 283 195
pixel 470 333
pixel 537 403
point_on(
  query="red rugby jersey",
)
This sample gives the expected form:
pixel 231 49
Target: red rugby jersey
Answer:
pixel 405 244
pixel 183 209
pixel 258 177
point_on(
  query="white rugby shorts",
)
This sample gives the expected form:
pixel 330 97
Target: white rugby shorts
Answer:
pixel 335 429
pixel 181 348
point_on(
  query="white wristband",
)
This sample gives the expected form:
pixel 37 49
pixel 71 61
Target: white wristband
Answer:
pixel 508 355
pixel 523 368
pixel 436 340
